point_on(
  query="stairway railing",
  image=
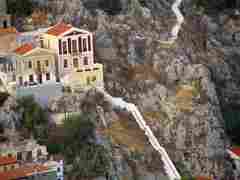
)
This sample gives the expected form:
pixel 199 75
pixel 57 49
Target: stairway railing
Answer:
pixel 121 104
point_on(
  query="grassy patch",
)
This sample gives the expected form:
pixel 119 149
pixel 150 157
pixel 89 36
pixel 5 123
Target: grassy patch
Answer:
pixel 124 133
pixel 165 45
pixel 185 95
pixel 157 116
pixel 184 98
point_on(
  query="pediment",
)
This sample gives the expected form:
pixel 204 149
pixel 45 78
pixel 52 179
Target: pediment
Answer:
pixel 40 52
pixel 74 33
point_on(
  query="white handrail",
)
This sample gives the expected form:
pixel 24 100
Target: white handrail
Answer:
pixel 176 28
pixel 119 103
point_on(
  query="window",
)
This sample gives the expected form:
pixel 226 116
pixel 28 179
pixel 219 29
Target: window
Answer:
pixel 60 46
pixel 38 65
pixel 9 155
pixel 30 64
pixel 80 44
pixel 58 169
pixel 74 46
pixel 85 61
pixel 20 81
pixel 46 63
pixel 10 67
pixel 48 76
pixel 41 43
pixel 19 156
pixel 69 45
pixel 64 47
pixel 89 43
pixel 12 167
pixel 5 24
pixel 75 63
pixel 29 155
pixel 65 63
pixel 31 79
pixel 84 45
pixel 40 78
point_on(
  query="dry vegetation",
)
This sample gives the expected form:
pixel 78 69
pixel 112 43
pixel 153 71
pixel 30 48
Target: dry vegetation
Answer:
pixel 127 133
pixel 184 98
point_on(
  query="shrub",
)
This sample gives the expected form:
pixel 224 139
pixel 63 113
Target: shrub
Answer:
pixel 232 124
pixel 55 148
pixel 33 115
pixel 20 7
pixel 88 158
pixel 112 7
pixel 80 127
pixel 92 161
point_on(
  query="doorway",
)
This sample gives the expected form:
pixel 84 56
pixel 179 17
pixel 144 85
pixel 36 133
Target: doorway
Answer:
pixel 40 78
pixel 5 24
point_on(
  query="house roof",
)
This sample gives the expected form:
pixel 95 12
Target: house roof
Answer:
pixel 59 29
pixel 23 172
pixel 24 49
pixel 4 160
pixel 236 150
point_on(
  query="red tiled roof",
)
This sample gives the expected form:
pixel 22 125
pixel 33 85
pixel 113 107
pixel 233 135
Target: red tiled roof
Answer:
pixel 24 49
pixel 58 29
pixel 236 151
pixel 22 172
pixel 7 160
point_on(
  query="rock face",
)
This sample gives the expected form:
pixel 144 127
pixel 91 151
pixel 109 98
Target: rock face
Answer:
pixel 182 89
pixel 9 117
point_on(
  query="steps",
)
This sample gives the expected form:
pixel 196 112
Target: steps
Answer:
pixel 120 104
pixel 176 28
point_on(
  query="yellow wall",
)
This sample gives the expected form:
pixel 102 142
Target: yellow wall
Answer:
pixel 86 78
pixel 50 42
pixel 25 60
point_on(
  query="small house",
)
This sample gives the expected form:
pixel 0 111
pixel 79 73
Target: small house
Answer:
pixel 75 55
pixel 36 65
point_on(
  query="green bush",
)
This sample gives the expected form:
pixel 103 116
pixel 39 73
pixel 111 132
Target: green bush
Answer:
pixel 55 148
pixel 34 117
pixel 80 127
pixel 88 158
pixel 92 161
pixel 20 7
pixel 232 124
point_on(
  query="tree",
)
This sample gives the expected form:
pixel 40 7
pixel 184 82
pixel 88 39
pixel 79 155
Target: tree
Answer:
pixel 20 7
pixel 112 7
pixel 232 123
pixel 88 158
pixel 79 127
pixel 33 115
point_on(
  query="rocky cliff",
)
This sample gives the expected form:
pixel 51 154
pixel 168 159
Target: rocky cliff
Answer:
pixel 181 89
